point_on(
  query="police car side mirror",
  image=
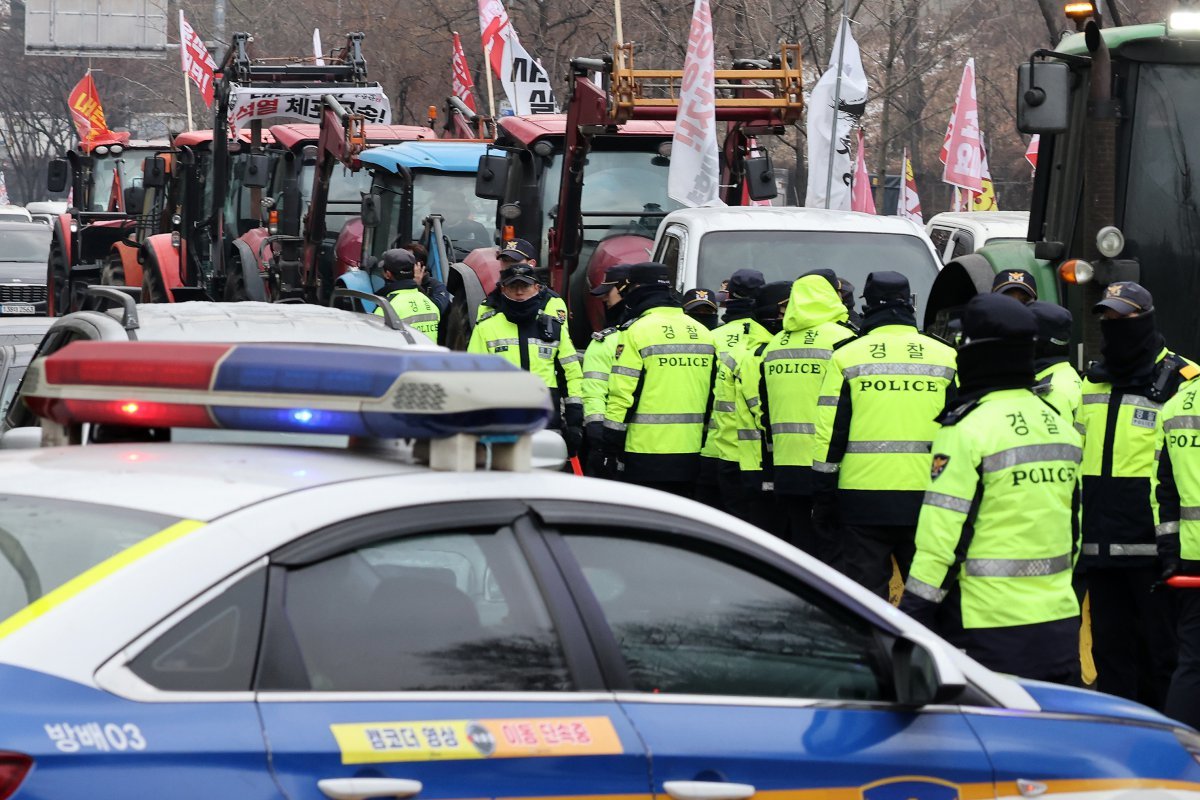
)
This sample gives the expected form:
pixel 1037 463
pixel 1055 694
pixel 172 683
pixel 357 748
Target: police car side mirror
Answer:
pixel 924 674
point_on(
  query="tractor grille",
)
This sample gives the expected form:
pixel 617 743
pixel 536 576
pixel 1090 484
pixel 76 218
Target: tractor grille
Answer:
pixel 21 293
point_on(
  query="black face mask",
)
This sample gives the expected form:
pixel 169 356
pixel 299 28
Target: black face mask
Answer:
pixel 520 310
pixel 1130 347
pixel 614 315
pixel 773 325
pixel 739 308
pixel 707 320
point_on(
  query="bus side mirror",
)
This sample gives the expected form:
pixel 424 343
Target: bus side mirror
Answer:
pixel 760 177
pixel 58 175
pixel 154 172
pixel 257 172
pixel 492 177
pixel 1043 97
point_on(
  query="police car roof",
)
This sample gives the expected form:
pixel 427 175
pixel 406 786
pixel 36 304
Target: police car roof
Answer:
pixel 192 481
pixel 258 322
pixel 767 218
pixel 442 156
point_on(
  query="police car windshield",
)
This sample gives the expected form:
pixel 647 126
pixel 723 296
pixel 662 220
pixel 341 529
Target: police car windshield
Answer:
pixel 46 542
pixel 785 255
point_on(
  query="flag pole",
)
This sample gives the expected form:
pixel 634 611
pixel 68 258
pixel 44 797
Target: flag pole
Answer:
pixel 837 94
pixel 187 95
pixel 617 12
pixel 487 69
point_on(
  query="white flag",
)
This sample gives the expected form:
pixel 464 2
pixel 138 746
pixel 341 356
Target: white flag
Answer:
pixel 851 106
pixel 524 80
pixel 318 53
pixel 694 178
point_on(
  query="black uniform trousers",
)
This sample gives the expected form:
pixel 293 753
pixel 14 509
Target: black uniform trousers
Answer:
pixel 1183 698
pixel 869 550
pixel 708 483
pixel 1133 633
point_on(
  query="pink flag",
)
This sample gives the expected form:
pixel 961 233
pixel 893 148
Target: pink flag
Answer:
pixel 909 206
pixel 961 152
pixel 694 178
pixel 197 63
pixel 861 198
pixel 1032 151
pixel 462 85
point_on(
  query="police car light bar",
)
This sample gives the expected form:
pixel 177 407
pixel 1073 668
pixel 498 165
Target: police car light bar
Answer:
pixel 289 388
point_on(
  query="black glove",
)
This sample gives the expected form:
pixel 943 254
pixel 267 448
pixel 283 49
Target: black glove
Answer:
pixel 920 609
pixel 1171 568
pixel 573 436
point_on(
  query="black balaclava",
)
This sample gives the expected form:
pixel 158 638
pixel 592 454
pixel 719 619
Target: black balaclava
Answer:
pixel 614 315
pixel 887 300
pixel 997 350
pixel 1053 336
pixel 738 308
pixel 769 310
pixel 520 310
pixel 653 295
pixel 1130 348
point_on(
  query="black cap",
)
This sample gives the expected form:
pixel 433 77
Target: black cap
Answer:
pixel 518 250
pixel 1126 298
pixel 649 273
pixel 745 283
pixel 771 297
pixel 615 276
pixel 517 273
pixel 997 316
pixel 1017 279
pixel 886 288
pixel 1053 323
pixel 828 275
pixel 698 300
pixel 399 262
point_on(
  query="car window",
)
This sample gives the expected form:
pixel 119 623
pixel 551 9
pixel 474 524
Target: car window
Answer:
pixel 456 611
pixel 46 542
pixel 690 622
pixel 940 238
pixel 214 648
pixel 669 254
pixel 964 243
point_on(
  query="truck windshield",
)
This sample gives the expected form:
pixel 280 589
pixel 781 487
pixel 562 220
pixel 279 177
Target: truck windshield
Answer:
pixel 785 255
pixel 346 189
pixel 625 189
pixel 1162 220
pixel 106 167
pixel 468 220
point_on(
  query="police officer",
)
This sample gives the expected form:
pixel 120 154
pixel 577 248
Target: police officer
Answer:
pixel 701 305
pixel 792 366
pixel 720 482
pixel 1133 638
pixel 875 422
pixel 598 361
pixel 1176 499
pixel 519 252
pixel 660 387
pixel 524 334
pixel 1056 380
pixel 846 290
pixel 403 292
pixel 1017 284
pixel 434 289
pixel 999 534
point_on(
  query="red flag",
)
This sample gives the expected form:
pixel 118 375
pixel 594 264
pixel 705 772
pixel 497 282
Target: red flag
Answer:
pixel 88 116
pixel 462 84
pixel 1032 151
pixel 861 198
pixel 961 152
pixel 197 63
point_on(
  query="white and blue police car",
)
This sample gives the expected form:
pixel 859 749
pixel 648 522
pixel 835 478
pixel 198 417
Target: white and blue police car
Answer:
pixel 389 620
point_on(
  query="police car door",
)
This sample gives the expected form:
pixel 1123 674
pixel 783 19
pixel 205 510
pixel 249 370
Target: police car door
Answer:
pixel 743 675
pixel 422 652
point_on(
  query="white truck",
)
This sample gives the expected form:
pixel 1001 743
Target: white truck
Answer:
pixel 704 246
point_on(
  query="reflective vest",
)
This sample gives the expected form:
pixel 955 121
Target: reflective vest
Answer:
pixel 1061 387
pixel 1175 484
pixel 753 443
pixel 416 310
pixel 876 419
pixel 788 377
pixel 597 364
pixel 999 517
pixel 659 392
pixel 540 346
pixel 1118 461
pixel 723 428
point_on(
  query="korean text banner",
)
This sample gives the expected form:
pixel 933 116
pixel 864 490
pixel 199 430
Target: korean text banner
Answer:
pixel 304 105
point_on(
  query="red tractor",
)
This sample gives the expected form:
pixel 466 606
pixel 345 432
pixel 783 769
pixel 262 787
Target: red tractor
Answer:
pixel 590 187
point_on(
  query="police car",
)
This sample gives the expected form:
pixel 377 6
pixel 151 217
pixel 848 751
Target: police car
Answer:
pixel 203 621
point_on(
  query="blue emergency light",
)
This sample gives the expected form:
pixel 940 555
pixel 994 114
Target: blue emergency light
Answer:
pixel 287 388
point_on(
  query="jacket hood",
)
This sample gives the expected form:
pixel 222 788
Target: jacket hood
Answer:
pixel 813 302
